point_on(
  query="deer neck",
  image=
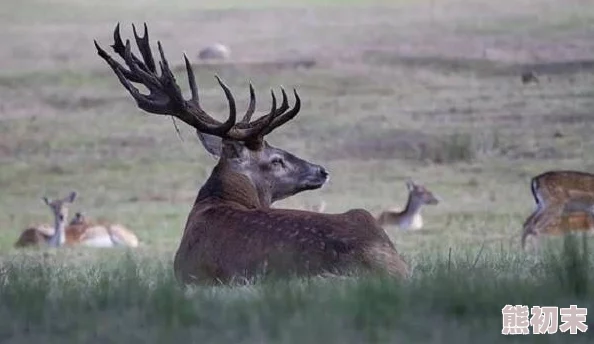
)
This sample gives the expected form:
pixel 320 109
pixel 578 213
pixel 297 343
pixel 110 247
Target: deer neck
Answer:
pixel 412 209
pixel 227 185
pixel 59 236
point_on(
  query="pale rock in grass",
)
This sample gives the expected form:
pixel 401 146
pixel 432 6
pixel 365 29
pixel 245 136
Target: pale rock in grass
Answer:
pixel 216 51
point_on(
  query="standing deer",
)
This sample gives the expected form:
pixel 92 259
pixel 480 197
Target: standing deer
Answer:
pixel 410 218
pixel 231 231
pixel 558 195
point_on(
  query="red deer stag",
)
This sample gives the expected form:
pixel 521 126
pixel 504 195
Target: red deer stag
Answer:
pixel 560 197
pixel 231 231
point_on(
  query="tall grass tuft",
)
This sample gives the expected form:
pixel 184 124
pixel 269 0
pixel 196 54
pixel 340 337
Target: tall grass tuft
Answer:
pixel 454 296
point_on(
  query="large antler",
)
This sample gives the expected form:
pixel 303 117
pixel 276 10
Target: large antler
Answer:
pixel 165 96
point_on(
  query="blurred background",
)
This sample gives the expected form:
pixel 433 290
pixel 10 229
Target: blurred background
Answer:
pixel 470 98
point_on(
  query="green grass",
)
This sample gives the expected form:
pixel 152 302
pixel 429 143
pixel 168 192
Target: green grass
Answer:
pixel 123 297
pixel 398 91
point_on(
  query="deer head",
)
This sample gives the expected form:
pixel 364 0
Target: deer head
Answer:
pixel 59 208
pixel 421 194
pixel 77 219
pixel 273 173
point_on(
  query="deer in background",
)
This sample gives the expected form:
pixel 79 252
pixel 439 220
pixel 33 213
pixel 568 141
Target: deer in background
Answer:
pixel 410 218
pixel 102 233
pixel 35 235
pixel 562 200
pixel 53 237
pixel 231 231
pixel 79 231
pixel 77 219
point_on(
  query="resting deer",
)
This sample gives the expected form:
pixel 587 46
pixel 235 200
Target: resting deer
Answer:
pixel 59 208
pixel 35 235
pixel 101 233
pixel 46 234
pixel 77 219
pixel 410 218
pixel 560 197
pixel 78 232
pixel 231 231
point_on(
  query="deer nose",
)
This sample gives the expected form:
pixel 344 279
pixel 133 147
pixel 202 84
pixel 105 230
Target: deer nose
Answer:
pixel 323 172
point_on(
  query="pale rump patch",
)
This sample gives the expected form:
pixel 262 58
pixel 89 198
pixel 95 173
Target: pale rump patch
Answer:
pixel 99 241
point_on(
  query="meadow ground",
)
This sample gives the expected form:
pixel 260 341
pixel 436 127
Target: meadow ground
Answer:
pixel 399 89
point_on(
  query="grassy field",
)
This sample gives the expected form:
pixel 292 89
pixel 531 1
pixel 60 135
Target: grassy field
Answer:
pixel 429 90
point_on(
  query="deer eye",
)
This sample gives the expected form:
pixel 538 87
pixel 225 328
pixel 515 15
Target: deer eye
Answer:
pixel 277 162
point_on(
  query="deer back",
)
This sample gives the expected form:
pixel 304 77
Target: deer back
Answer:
pixel 123 236
pixel 223 240
pixel 32 236
pixel 558 186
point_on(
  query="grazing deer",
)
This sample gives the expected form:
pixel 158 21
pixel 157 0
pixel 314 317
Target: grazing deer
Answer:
pixel 560 198
pixel 410 218
pixel 231 231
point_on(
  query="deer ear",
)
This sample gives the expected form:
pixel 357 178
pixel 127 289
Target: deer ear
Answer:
pixel 410 185
pixel 213 144
pixel 71 197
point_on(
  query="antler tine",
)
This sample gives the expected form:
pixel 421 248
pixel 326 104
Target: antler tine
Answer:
pixel 122 73
pixel 120 49
pixel 165 96
pixel 144 48
pixel 252 132
pixel 259 127
pixel 251 107
pixel 146 78
pixel 230 122
pixel 284 117
pixel 195 98
pixel 190 111
pixel 192 80
pixel 285 104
